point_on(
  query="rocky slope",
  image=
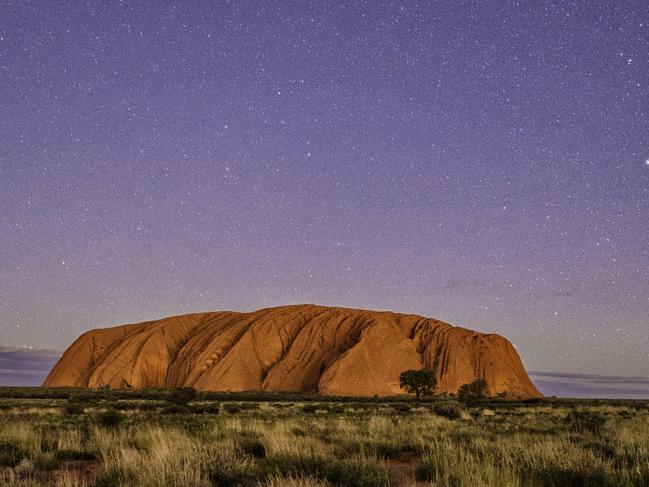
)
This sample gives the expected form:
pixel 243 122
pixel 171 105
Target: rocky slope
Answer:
pixel 333 351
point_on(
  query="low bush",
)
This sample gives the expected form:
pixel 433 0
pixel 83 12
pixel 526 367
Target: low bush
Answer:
pixel 386 449
pixel 402 408
pixel 310 408
pixel 426 472
pixel 110 418
pixel 182 395
pixel 473 392
pixel 605 449
pixel 45 462
pixel 586 422
pixel 234 476
pixel 48 440
pixel 74 408
pixel 234 408
pixel 552 476
pixel 10 453
pixel 335 471
pixel 253 447
pixel 74 455
pixel 176 409
pixel 213 408
pixel 450 410
pixel 114 477
pixel 85 396
pixel 231 408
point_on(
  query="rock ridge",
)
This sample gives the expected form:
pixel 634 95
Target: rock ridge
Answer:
pixel 297 348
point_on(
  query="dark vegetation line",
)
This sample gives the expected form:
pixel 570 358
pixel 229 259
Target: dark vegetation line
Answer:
pixel 10 392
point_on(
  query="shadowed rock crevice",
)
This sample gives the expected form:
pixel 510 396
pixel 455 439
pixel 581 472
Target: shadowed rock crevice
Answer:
pixel 301 348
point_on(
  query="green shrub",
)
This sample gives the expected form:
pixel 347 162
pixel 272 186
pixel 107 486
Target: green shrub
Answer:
pixel 10 453
pixel 402 408
pixel 253 447
pixel 74 408
pixel 46 462
pixel 553 476
pixel 605 449
pixel 478 389
pixel 249 406
pixel 309 409
pixel 233 476
pixel 232 408
pixel 49 440
pixel 146 406
pixel 299 432
pixel 426 472
pixel 115 477
pixel 176 409
pixel 110 418
pixel 182 395
pixel 450 410
pixel 586 422
pixel 74 455
pixel 213 408
pixel 337 472
pixel 387 449
pixel 626 414
pixel 85 396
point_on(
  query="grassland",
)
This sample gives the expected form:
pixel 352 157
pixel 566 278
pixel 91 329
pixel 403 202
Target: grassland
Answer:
pixel 67 437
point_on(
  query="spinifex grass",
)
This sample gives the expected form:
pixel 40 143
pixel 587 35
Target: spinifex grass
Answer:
pixel 368 443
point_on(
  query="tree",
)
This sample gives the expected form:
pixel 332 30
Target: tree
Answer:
pixel 478 389
pixel 418 382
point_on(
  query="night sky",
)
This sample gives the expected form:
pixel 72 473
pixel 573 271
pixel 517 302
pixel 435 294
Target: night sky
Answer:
pixel 485 163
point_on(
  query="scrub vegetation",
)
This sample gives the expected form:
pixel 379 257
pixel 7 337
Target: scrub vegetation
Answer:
pixel 68 437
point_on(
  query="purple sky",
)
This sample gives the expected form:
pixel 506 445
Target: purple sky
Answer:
pixel 488 166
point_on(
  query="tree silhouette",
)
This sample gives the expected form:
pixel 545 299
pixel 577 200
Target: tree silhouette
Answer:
pixel 418 382
pixel 478 389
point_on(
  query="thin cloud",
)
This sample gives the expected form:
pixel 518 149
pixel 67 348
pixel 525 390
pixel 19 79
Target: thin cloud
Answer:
pixel 25 366
pixel 591 385
pixel 601 379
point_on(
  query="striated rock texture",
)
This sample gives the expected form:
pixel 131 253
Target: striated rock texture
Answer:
pixel 332 351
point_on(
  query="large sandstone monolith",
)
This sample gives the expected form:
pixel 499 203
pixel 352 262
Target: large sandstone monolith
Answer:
pixel 305 348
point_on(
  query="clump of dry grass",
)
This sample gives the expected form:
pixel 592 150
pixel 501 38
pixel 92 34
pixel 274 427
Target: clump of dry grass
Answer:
pixel 295 481
pixel 153 456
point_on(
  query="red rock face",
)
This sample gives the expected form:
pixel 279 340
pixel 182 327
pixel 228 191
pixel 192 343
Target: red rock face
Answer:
pixel 303 348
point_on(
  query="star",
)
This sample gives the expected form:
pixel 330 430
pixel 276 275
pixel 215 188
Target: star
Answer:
pixel 424 154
